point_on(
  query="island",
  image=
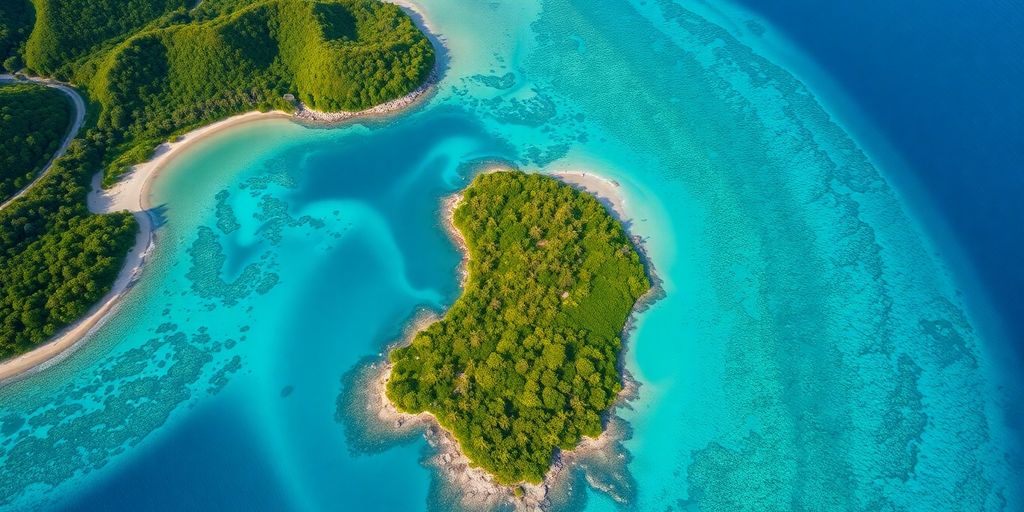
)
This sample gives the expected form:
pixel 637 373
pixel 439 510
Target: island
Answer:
pixel 149 72
pixel 526 362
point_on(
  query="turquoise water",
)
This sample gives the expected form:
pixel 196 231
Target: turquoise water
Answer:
pixel 811 350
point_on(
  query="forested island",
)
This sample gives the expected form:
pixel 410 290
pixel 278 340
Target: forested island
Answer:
pixel 33 121
pixel 154 69
pixel 526 360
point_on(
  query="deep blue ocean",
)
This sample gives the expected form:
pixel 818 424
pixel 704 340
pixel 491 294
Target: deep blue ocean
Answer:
pixel 941 81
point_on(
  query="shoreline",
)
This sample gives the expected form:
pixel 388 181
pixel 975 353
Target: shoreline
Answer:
pixel 477 489
pixel 132 193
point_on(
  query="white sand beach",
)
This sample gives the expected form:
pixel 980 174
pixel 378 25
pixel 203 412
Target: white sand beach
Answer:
pixel 607 191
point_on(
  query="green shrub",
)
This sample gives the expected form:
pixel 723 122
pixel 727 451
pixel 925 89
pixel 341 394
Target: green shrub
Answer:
pixel 56 259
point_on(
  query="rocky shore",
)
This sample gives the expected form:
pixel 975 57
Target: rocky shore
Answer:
pixel 448 207
pixel 602 459
pixel 309 115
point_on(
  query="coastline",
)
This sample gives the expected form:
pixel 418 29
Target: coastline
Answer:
pixel 64 343
pixel 476 488
pixel 131 194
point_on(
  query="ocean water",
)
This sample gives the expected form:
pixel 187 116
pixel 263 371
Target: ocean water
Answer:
pixel 812 349
pixel 957 120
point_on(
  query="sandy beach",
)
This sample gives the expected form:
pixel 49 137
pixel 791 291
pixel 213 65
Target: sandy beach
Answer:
pixel 448 207
pixel 608 191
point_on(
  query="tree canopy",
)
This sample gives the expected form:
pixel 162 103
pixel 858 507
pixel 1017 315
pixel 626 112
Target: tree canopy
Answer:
pixel 33 121
pixel 526 360
pixel 330 54
pixel 68 29
pixel 15 25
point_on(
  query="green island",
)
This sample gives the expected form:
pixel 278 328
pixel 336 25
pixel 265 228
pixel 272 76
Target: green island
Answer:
pixel 526 360
pixel 151 70
pixel 33 121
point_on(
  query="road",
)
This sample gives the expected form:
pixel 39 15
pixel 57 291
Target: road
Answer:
pixel 75 126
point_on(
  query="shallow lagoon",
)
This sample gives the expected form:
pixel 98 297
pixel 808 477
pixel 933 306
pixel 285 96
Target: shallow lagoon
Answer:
pixel 810 349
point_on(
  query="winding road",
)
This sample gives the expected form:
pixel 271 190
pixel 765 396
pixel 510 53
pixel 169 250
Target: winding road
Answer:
pixel 75 126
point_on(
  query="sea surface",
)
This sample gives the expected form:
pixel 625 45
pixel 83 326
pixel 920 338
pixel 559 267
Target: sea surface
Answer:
pixel 823 342
pixel 938 84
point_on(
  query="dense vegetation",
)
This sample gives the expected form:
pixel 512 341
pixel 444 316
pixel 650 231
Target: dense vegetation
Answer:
pixel 15 25
pixel 33 121
pixel 56 259
pixel 525 361
pixel 331 54
pixel 153 69
pixel 68 29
